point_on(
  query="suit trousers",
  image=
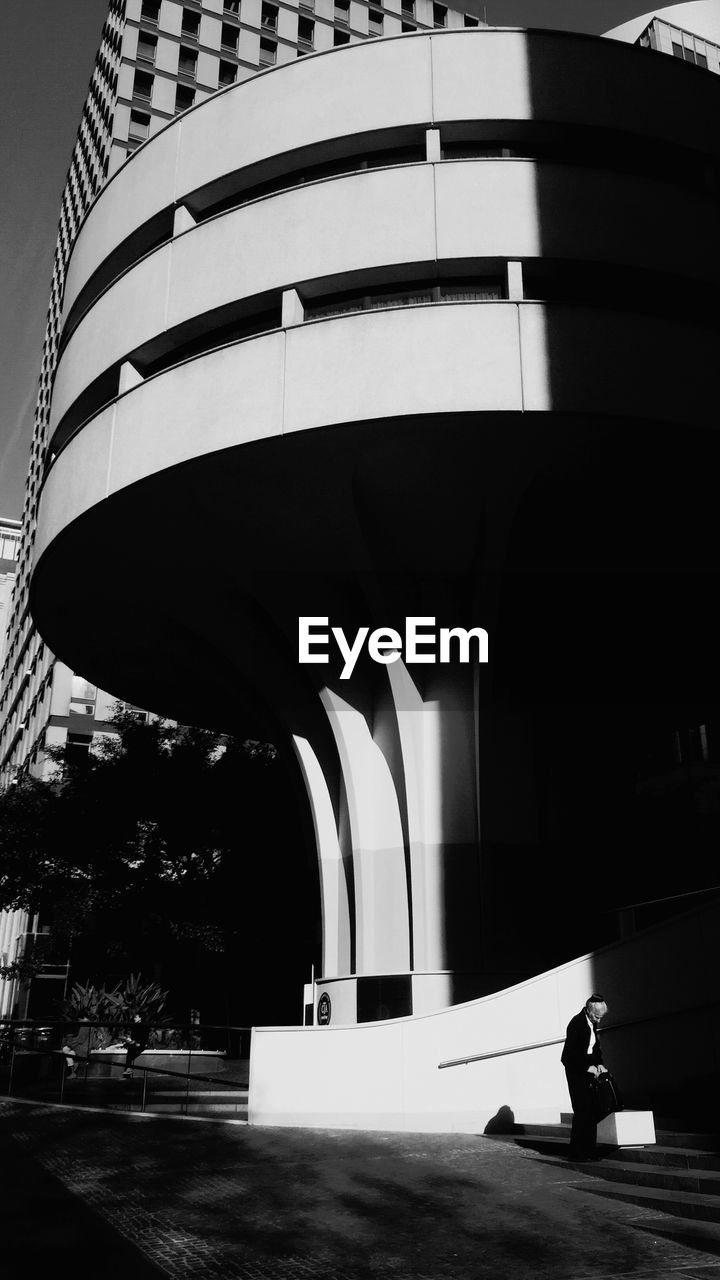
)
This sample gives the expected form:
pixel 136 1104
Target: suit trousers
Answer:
pixel 583 1135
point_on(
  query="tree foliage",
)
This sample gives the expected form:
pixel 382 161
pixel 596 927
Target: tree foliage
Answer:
pixel 135 838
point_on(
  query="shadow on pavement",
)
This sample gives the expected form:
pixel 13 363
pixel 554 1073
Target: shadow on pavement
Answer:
pixel 49 1231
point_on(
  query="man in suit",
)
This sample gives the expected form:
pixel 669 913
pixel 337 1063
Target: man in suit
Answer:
pixel 583 1060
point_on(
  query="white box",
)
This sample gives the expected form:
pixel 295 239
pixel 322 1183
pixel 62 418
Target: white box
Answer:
pixel 627 1129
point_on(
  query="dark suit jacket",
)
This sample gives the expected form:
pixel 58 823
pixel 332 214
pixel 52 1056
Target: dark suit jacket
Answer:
pixel 575 1056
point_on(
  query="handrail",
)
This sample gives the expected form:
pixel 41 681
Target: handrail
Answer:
pixel 121 1022
pixel 652 902
pixel 499 1053
pixel 158 1071
pixel 616 1026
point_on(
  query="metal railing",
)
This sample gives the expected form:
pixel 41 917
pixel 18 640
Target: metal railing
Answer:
pixel 39 1060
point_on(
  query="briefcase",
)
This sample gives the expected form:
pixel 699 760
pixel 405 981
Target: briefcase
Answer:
pixel 605 1096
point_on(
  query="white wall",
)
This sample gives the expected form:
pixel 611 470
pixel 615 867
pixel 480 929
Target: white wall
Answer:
pixel 660 987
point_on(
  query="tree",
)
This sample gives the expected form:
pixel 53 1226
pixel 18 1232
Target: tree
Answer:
pixel 141 847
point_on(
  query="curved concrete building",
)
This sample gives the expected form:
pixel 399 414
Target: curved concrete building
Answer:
pixel 417 328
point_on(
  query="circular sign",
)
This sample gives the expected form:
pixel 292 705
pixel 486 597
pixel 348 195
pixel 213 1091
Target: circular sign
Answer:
pixel 324 1010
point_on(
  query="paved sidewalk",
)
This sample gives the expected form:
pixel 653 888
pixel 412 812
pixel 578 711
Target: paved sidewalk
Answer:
pixel 97 1195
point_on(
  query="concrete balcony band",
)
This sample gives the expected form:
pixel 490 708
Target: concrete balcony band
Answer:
pixel 320 239
pixel 447 77
pixel 385 454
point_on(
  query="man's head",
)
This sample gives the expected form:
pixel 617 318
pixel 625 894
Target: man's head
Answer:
pixel 596 1008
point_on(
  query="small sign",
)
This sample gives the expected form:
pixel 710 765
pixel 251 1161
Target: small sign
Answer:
pixel 324 1010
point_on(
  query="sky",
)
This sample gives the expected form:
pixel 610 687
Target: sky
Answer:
pixel 45 69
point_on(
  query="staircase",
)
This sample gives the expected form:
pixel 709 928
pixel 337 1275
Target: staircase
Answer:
pixel 679 1174
pixel 167 1097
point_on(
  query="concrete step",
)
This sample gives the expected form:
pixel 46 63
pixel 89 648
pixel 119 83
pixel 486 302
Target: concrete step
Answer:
pixel 669 1157
pixel 238 1110
pixel 678 1175
pixel 673 1132
pixel 702 1208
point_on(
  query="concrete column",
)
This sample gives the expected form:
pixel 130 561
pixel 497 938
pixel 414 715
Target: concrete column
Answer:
pixel 378 849
pixel 335 907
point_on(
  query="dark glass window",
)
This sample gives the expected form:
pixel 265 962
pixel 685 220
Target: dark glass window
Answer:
pixel 227 73
pixel 190 23
pixel 143 85
pixel 184 97
pixel 187 62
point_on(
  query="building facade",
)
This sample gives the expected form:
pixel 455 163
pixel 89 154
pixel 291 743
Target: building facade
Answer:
pixel 385 317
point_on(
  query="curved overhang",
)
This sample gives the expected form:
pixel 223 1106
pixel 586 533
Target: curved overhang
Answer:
pixel 349 98
pixel 307 452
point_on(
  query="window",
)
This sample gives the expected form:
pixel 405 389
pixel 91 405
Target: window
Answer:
pixel 79 743
pixel 407 8
pixel 306 32
pixel 375 22
pixel 139 128
pixel 150 11
pixel 342 12
pixel 81 689
pixel 190 24
pixel 470 21
pixel 229 37
pixel 231 6
pixel 147 47
pixel 408 26
pixel 701 59
pixel 184 97
pixel 227 73
pixel 187 62
pixel 340 37
pixel 689 54
pixel 82 708
pixel 143 85
pixel 268 53
pixel 677 50
pixel 269 17
pixel 439 15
